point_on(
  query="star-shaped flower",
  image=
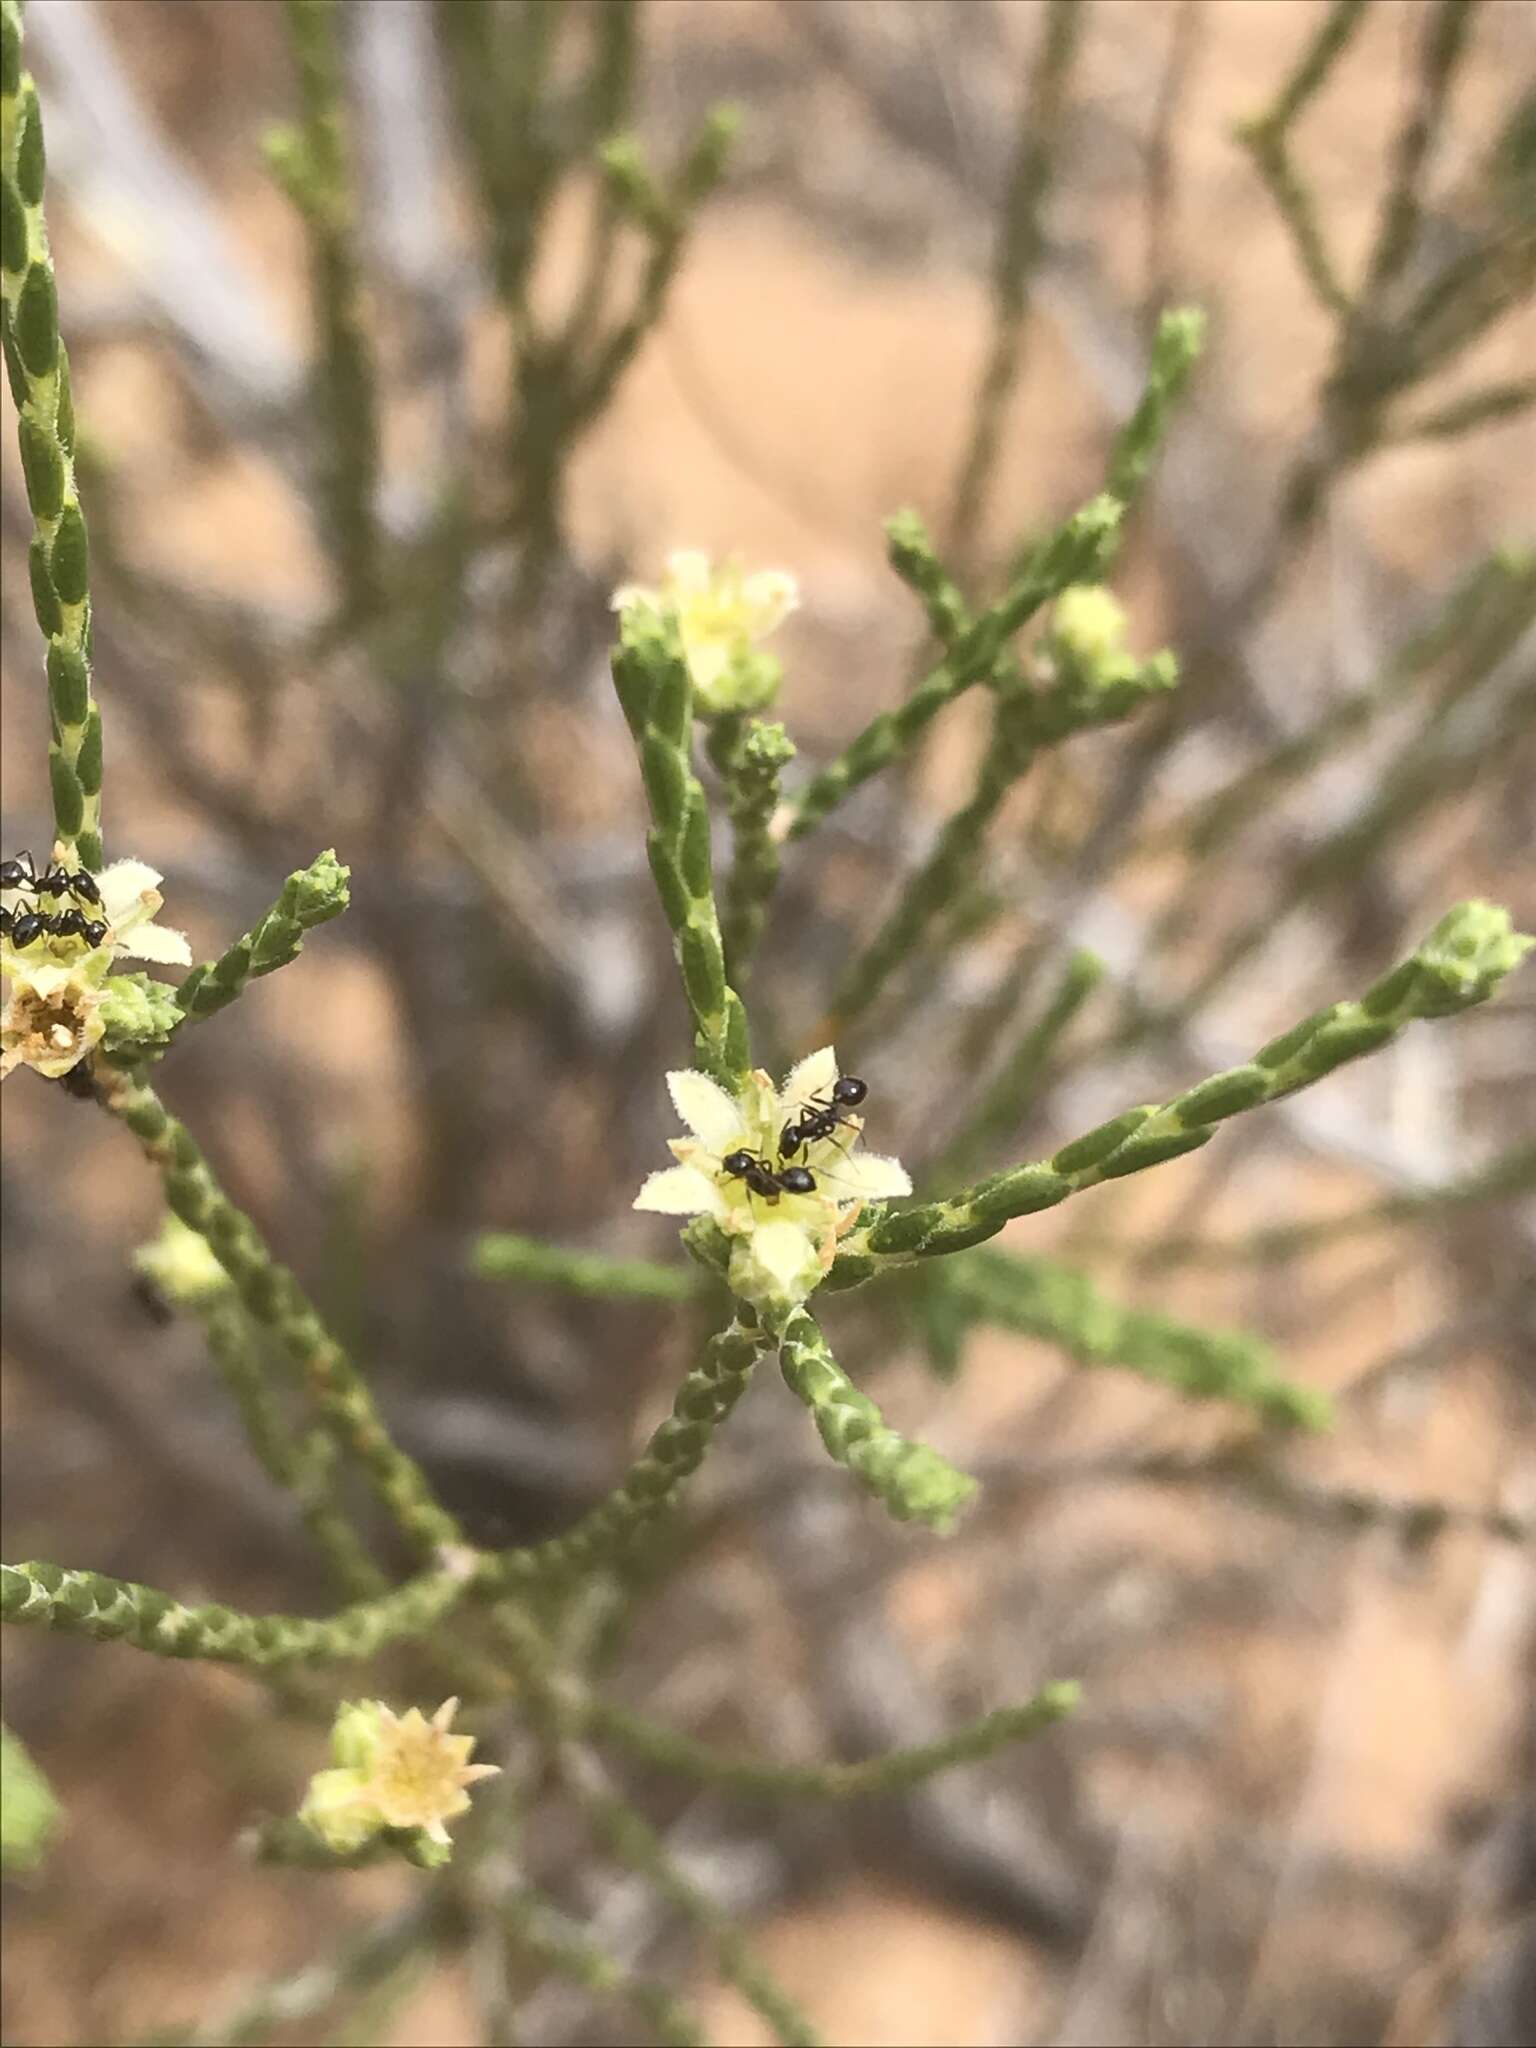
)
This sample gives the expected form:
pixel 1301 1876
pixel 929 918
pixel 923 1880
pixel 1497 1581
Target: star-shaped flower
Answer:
pixel 55 982
pixel 785 1239
pixel 393 1771
pixel 721 614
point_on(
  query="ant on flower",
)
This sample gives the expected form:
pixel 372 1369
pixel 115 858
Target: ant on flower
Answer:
pixel 762 1180
pixel 21 873
pixel 21 929
pixel 820 1118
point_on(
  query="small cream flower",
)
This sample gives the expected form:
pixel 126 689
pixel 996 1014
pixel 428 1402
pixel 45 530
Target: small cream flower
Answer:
pixel 721 613
pixel 784 1242
pixel 393 1771
pixel 54 983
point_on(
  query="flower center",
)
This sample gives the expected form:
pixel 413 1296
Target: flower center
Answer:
pixel 414 1784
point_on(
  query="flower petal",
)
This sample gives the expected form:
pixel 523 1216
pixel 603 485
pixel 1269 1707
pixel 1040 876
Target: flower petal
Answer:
pixel 708 656
pixel 679 1191
pixel 155 942
pixel 869 1175
pixel 42 977
pixel 122 888
pixel 767 599
pixel 711 1114
pixel 787 1255
pixel 688 573
pixel 814 1075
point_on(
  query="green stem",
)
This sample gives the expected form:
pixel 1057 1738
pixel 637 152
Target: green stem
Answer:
pixel 274 1298
pixel 1038 1298
pixel 504 1255
pixel 656 693
pixel 1020 241
pixel 1003 1106
pixel 1071 555
pixel 1460 963
pixel 1511 1173
pixel 304 1467
pixel 911 1482
pixel 751 771
pixel 309 897
pixel 627 1835
pixel 42 1595
pixel 654 1483
pixel 1025 720
pixel 38 368
pixel 288 2001
pixel 896 1772
pixel 1419 777
pixel 540 1932
pixel 314 164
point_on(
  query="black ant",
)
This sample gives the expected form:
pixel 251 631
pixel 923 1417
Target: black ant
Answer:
pixel 74 924
pixel 22 929
pixel 761 1178
pixel 21 873
pixel 818 1118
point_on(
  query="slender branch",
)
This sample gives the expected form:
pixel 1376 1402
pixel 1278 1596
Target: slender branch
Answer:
pixel 876 1776
pixel 1071 555
pixel 1020 243
pixel 910 1481
pixel 1267 139
pixel 1001 1109
pixel 656 692
pixel 629 1836
pixel 273 1296
pixel 751 772
pixel 503 1255
pixel 43 1595
pixel 38 367
pixel 656 1479
pixel 1041 1299
pixel 1460 963
pixel 537 1928
pixel 313 162
pixel 309 897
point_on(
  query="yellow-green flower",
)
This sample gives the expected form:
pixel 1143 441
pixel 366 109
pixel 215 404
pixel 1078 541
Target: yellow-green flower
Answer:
pixel 54 984
pixel 721 614
pixel 181 1264
pixel 392 1771
pixel 784 1243
pixel 1088 630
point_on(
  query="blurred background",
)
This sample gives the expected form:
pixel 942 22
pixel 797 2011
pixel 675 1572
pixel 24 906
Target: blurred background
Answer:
pixel 1296 1806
